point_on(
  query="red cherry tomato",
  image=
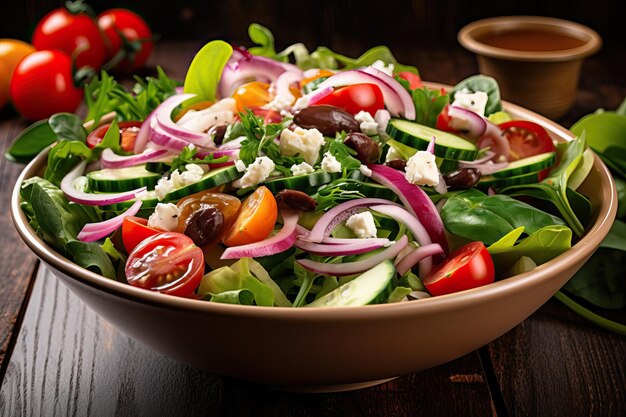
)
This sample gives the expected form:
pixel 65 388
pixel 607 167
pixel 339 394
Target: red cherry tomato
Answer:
pixel 443 120
pixel 137 37
pixel 65 31
pixel 168 263
pixel 415 81
pixel 356 98
pixel 128 134
pixel 269 116
pixel 470 266
pixel 134 231
pixel 526 139
pixel 42 85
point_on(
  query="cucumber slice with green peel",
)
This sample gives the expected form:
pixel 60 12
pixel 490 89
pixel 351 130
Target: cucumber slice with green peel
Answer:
pixel 447 165
pixel 117 180
pixel 371 287
pixel 531 164
pixel 491 181
pixel 418 136
pixel 308 183
pixel 158 167
pixel 209 180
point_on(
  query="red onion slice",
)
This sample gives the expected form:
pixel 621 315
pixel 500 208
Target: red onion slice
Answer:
pixel 354 248
pixel 92 199
pixel 338 215
pixel 250 68
pixel 418 255
pixel 494 139
pixel 280 242
pixel 143 136
pixel 431 145
pixel 110 159
pixel 95 231
pixel 345 241
pixel 163 116
pixel 472 125
pixel 487 168
pixel 349 268
pixel 414 199
pixel 280 88
pixel 397 88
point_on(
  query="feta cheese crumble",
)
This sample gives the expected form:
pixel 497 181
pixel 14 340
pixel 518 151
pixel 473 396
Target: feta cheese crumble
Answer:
pixel 365 170
pixel 330 163
pixel 421 169
pixel 392 155
pixel 178 179
pixel 200 121
pixel 476 102
pixel 380 66
pixel 257 172
pixel 240 165
pixel 301 169
pixel 362 224
pixel 303 142
pixel 367 123
pixel 165 217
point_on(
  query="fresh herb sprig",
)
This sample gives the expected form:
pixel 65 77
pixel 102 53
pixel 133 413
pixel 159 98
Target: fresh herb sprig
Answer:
pixel 188 156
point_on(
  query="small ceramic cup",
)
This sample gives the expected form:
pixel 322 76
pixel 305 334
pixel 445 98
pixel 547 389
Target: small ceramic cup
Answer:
pixel 542 80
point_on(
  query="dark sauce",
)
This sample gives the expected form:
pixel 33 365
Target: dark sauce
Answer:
pixel 531 40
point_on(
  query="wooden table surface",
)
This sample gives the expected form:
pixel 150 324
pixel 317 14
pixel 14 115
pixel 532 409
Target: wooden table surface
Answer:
pixel 57 358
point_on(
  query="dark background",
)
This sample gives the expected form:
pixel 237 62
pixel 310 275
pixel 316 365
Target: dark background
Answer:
pixel 348 26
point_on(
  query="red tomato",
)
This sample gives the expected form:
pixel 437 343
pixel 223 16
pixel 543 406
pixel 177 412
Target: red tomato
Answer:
pixel 42 85
pixel 134 231
pixel 470 266
pixel 137 37
pixel 168 263
pixel 526 139
pixel 65 31
pixel 269 116
pixel 357 97
pixel 443 120
pixel 415 81
pixel 128 133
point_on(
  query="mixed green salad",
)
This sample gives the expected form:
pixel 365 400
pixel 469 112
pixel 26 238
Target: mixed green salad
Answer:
pixel 300 179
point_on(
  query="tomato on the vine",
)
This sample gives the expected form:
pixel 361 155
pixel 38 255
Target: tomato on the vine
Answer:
pixel 526 139
pixel 134 231
pixel 135 41
pixel 128 134
pixel 71 32
pixel 355 98
pixel 12 51
pixel 470 266
pixel 168 263
pixel 42 85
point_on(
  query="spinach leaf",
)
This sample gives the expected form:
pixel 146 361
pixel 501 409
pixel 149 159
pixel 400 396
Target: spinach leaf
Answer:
pixel 541 246
pixel 370 56
pixel 63 157
pixel 616 238
pixel 474 215
pixel 554 188
pixel 263 37
pixel 91 256
pixel 428 104
pixel 30 141
pixel 485 84
pixel 68 126
pixel 205 70
pixel 118 259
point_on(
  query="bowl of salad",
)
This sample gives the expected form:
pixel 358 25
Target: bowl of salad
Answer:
pixel 309 221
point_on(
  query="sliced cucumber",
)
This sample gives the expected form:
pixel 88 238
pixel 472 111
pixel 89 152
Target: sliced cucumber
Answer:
pixel 417 136
pixel 447 165
pixel 158 167
pixel 531 164
pixel 122 179
pixel 211 179
pixel 371 287
pixel 308 183
pixel 491 181
pixel 370 190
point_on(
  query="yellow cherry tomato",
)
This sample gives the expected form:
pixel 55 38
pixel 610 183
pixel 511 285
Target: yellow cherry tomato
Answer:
pixel 252 94
pixel 319 74
pixel 11 52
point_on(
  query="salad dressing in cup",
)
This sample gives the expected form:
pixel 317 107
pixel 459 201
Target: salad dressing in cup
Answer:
pixel 536 60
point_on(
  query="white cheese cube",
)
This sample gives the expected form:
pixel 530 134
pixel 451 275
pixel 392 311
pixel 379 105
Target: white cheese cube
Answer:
pixel 330 163
pixel 367 123
pixel 421 169
pixel 362 224
pixel 305 143
pixel 476 102
pixel 165 217
pixel 257 172
pixel 301 169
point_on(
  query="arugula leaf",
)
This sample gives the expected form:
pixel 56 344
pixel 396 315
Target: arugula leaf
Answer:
pixel 111 138
pixel 474 215
pixel 428 104
pixel 205 70
pixel 541 246
pixel 343 153
pixel 485 84
pixel 554 188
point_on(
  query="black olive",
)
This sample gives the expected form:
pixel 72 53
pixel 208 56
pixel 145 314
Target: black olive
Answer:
pixel 366 148
pixel 205 225
pixel 462 179
pixel 327 119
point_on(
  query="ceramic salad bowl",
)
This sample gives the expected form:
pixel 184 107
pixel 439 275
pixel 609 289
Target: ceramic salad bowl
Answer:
pixel 328 349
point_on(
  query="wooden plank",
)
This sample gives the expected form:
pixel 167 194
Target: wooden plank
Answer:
pixel 68 362
pixel 17 262
pixel 554 363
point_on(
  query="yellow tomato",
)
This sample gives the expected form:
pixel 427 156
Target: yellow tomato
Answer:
pixel 251 95
pixel 318 74
pixel 11 52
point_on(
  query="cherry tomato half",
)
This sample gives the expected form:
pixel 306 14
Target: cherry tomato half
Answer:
pixel 128 134
pixel 268 115
pixel 66 32
pixel 168 263
pixel 42 85
pixel 255 93
pixel 526 139
pixel 415 81
pixel 227 205
pixel 470 266
pixel 256 219
pixel 134 231
pixel 443 120
pixel 136 42
pixel 356 98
